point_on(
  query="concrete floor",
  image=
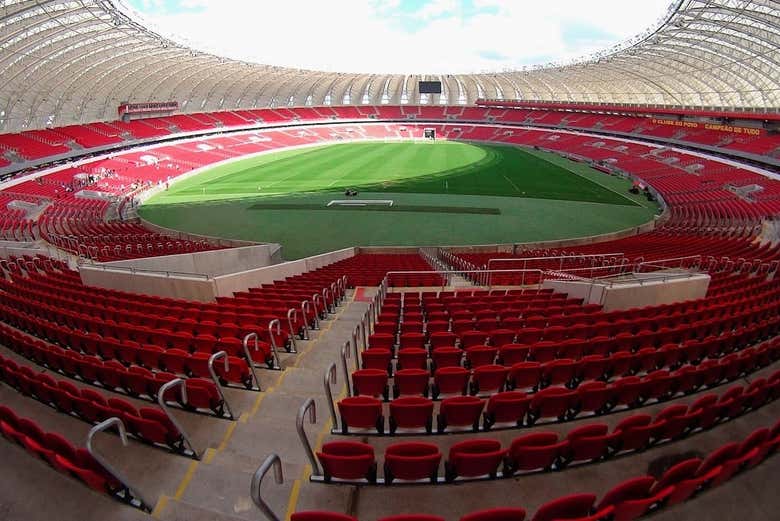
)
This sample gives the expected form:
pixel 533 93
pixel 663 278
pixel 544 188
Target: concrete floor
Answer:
pixel 217 487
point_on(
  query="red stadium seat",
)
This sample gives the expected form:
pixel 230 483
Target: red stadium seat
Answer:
pixel 474 458
pixel 412 461
pixel 347 460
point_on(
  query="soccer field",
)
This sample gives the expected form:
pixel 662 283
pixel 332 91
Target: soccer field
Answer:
pixel 443 193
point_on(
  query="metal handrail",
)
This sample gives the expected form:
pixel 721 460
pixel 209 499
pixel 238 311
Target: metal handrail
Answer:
pixel 315 298
pixel 648 279
pixel 356 335
pixel 103 426
pixel 363 336
pixel 656 263
pixel 291 314
pixel 305 307
pixel 335 292
pixel 213 358
pixel 274 347
pixel 257 481
pixel 331 378
pixel 500 260
pixel 345 366
pixel 385 282
pixel 311 407
pixel 329 306
pixel 164 406
pixel 248 356
pixel 134 270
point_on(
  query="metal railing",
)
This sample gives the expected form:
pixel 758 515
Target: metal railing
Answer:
pixel 481 277
pixel 309 406
pixel 561 258
pixel 163 273
pixel 330 377
pixel 675 262
pixel 134 496
pixel 213 358
pixel 164 406
pixel 255 491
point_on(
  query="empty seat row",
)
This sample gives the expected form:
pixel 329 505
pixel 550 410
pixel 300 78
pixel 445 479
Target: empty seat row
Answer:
pixel 60 454
pixel 150 425
pixel 111 375
pixel 643 369
pixel 628 500
pixel 366 414
pixel 543 451
pixel 599 354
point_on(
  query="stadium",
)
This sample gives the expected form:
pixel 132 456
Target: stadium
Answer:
pixel 233 289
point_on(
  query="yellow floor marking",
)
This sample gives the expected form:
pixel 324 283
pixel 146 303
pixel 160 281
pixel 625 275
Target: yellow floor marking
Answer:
pixel 185 482
pixel 160 506
pixel 307 470
pixel 210 453
pixel 296 491
pixel 226 437
pixel 255 407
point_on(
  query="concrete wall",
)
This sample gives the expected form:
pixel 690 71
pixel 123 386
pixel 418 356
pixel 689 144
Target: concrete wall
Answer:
pixel 654 293
pixel 644 291
pixel 149 283
pixel 210 263
pixel 17 249
pixel 203 288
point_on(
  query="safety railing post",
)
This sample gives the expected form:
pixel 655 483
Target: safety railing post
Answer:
pixel 329 307
pixel 136 498
pixel 355 343
pixel 164 406
pixel 316 298
pixel 292 313
pixel 363 332
pixel 274 347
pixel 257 481
pixel 336 297
pixel 311 407
pixel 216 356
pixel 249 360
pixel 345 366
pixel 331 378
pixel 306 310
pixel 369 314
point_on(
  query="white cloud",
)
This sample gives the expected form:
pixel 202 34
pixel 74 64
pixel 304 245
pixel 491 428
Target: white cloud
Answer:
pixel 373 36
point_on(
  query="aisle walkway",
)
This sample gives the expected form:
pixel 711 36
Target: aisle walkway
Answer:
pixel 217 488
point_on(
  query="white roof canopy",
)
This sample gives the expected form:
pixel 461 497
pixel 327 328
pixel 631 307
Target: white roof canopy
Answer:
pixel 64 62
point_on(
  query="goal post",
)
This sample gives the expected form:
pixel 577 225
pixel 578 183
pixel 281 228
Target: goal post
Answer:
pixel 360 202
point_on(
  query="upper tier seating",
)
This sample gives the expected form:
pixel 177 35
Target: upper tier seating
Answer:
pixel 709 219
pixel 39 144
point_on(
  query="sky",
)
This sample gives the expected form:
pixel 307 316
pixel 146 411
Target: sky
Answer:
pixel 402 36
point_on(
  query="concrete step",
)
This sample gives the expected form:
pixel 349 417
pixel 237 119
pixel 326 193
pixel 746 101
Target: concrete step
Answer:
pixel 220 482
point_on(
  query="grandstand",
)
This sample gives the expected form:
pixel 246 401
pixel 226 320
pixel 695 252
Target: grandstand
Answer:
pixel 562 305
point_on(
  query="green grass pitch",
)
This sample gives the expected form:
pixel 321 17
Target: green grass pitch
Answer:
pixel 443 193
